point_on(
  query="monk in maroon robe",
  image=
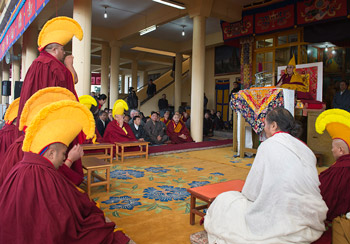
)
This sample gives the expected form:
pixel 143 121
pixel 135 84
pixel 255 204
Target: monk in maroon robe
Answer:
pixel 116 133
pixel 335 182
pixel 177 131
pixel 39 205
pixel 8 135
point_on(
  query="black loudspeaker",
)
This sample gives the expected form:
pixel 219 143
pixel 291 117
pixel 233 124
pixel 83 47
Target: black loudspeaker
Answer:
pixel 6 88
pixel 18 88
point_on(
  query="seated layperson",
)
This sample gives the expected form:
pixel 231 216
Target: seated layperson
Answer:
pixel 177 131
pixel 165 119
pixel 101 123
pixel 280 201
pixel 218 121
pixel 117 130
pixel 138 129
pixel 207 125
pixel 155 130
pixel 38 204
pixel 335 181
pixel 9 133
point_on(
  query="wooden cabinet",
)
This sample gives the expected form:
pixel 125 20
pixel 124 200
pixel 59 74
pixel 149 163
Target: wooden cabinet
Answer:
pixel 319 143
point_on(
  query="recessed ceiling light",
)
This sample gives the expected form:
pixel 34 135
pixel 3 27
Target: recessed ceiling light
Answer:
pixel 171 3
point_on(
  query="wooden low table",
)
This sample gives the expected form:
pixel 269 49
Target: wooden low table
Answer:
pixel 91 164
pixel 123 145
pixel 208 193
pixel 107 147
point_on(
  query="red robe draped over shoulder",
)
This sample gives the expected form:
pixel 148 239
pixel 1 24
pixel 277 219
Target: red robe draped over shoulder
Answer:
pixel 39 205
pixel 14 155
pixel 8 134
pixel 335 185
pixel 114 133
pixel 45 71
pixel 175 130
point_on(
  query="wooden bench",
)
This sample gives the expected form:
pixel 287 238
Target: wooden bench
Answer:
pixel 123 145
pixel 107 147
pixel 91 164
pixel 208 193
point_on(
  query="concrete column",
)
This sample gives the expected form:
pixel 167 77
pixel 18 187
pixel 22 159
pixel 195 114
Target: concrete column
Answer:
pixel 105 57
pixel 178 80
pixel 134 74
pixel 5 76
pixel 145 78
pixel 30 48
pixel 16 67
pixel 198 75
pixel 122 87
pixel 82 49
pixel 114 80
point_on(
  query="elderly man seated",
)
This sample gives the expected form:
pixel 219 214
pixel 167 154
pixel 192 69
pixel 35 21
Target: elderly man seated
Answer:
pixel 177 131
pixel 155 130
pixel 280 201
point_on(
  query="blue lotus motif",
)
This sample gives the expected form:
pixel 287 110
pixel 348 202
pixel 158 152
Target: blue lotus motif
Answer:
pixel 123 202
pixel 157 169
pixel 126 174
pixel 217 173
pixel 167 193
pixel 198 183
pixel 198 169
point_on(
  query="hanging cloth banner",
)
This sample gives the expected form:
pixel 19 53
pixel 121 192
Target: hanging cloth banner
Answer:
pixel 316 11
pixel 21 17
pixel 284 15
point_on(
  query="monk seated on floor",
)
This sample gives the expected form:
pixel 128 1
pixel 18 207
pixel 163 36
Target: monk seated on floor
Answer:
pixel 280 201
pixel 39 205
pixel 165 119
pixel 155 130
pixel 118 130
pixel 335 181
pixel 177 131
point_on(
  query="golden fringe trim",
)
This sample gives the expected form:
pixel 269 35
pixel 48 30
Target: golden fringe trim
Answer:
pixel 52 108
pixel 40 93
pixel 12 111
pixel 332 116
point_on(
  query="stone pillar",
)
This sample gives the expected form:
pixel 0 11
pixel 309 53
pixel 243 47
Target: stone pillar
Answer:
pixel 198 76
pixel 178 81
pixel 105 57
pixel 145 78
pixel 114 80
pixel 30 48
pixel 82 49
pixel 16 67
pixel 5 76
pixel 134 74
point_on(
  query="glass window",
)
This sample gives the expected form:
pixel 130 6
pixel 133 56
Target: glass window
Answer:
pixel 282 40
pixel 269 42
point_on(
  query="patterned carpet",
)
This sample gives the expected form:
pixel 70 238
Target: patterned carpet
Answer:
pixel 148 198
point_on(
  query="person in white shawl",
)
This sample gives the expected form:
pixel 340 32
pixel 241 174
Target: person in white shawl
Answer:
pixel 280 201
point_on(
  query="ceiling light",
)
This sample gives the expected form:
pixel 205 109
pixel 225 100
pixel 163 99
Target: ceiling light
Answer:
pixel 105 14
pixel 334 52
pixel 326 49
pixel 147 30
pixel 183 30
pixel 171 3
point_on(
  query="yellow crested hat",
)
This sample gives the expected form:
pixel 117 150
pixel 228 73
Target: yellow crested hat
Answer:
pixel 12 111
pixel 119 107
pixel 292 61
pixel 58 122
pixel 39 100
pixel 88 101
pixel 336 122
pixel 59 30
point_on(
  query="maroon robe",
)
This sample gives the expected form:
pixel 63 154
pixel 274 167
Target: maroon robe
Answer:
pixel 8 134
pixel 45 71
pixel 14 155
pixel 174 132
pixel 114 133
pixel 39 205
pixel 335 185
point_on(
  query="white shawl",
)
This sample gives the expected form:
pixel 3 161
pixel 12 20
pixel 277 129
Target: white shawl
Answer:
pixel 280 201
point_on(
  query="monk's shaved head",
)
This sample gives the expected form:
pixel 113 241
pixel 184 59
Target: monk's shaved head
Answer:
pixel 339 148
